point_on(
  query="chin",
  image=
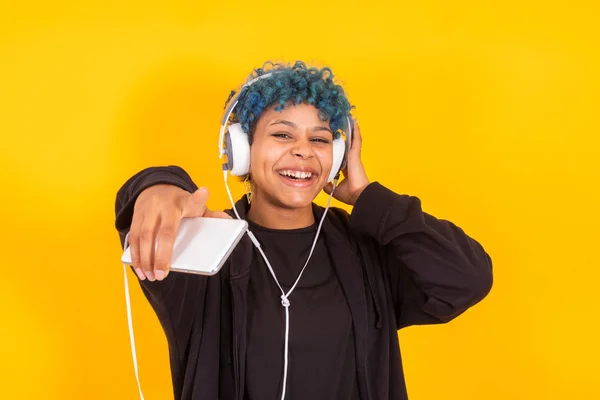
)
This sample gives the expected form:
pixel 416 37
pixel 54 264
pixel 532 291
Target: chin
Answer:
pixel 293 194
pixel 296 200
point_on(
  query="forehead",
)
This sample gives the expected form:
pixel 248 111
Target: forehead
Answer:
pixel 301 114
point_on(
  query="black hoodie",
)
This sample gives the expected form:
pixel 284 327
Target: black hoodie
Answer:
pixel 397 265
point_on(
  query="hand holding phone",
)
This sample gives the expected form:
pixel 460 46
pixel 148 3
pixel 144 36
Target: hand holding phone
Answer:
pixel 157 216
pixel 202 244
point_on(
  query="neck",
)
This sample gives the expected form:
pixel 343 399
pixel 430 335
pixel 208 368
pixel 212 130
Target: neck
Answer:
pixel 271 216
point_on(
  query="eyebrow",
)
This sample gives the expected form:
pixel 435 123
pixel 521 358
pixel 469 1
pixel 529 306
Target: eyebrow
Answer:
pixel 293 125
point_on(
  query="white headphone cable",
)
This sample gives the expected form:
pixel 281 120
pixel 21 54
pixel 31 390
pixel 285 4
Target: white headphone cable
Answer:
pixel 284 296
pixel 130 321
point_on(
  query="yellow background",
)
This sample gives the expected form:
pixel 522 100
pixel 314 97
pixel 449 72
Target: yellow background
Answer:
pixel 488 113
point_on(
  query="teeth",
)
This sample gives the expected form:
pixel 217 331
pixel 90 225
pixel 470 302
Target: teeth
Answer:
pixel 296 174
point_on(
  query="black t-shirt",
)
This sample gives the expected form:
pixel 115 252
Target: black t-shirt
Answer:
pixel 321 359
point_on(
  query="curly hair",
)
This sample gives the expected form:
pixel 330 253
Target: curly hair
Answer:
pixel 292 84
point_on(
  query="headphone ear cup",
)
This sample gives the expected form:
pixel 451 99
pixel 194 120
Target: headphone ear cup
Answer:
pixel 339 154
pixel 238 150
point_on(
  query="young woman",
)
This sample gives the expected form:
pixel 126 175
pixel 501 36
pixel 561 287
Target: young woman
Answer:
pixel 384 266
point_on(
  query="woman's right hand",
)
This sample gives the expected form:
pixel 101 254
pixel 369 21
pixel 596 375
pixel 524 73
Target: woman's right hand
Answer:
pixel 157 214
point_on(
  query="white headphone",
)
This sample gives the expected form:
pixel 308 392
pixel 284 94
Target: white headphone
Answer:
pixel 234 142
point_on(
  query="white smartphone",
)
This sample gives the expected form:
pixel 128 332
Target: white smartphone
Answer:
pixel 202 245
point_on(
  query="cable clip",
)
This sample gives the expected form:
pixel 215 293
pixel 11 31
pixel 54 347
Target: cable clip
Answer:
pixel 284 301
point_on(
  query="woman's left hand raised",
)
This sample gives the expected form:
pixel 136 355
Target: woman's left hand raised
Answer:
pixel 355 176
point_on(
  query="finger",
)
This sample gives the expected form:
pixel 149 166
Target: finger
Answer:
pixel 134 243
pixel 345 172
pixel 217 214
pixel 328 188
pixel 354 157
pixel 147 244
pixel 356 144
pixel 195 205
pixel 167 232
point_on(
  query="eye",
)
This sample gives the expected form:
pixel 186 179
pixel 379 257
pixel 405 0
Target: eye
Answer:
pixel 281 135
pixel 320 140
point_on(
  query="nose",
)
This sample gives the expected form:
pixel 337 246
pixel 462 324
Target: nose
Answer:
pixel 302 149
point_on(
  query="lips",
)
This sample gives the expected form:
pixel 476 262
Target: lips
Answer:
pixel 296 174
pixel 297 177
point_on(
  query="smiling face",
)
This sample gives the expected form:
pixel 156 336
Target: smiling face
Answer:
pixel 291 156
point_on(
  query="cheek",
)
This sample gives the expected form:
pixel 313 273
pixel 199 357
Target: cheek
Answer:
pixel 325 157
pixel 263 158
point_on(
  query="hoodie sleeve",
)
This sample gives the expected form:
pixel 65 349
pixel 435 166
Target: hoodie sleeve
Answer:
pixel 177 300
pixel 436 271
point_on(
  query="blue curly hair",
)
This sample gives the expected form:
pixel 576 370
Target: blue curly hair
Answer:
pixel 292 84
